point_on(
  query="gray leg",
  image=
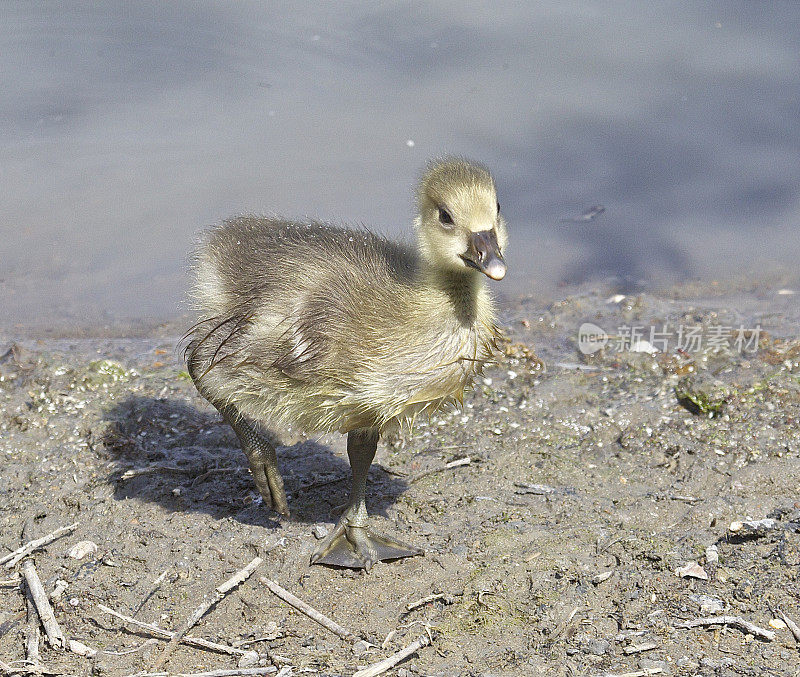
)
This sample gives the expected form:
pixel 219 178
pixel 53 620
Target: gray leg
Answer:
pixel 262 457
pixel 351 544
pixel 260 453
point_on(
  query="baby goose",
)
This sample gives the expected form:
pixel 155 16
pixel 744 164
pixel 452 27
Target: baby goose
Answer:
pixel 332 329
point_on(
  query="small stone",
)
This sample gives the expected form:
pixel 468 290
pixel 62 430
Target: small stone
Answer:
pixel 426 529
pixel 361 647
pixel 593 646
pixel 319 531
pixel 599 578
pixel 649 664
pixel 712 554
pixel 58 590
pixel 81 649
pixel 708 605
pixel 642 346
pixel 752 528
pixel 686 663
pixel 692 570
pixel 81 549
pixel 248 660
pixel 744 590
pixel 777 623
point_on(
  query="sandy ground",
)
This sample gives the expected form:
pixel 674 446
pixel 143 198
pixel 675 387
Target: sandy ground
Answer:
pixel 553 551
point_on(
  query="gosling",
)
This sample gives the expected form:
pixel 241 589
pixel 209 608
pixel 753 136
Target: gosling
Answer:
pixel 335 329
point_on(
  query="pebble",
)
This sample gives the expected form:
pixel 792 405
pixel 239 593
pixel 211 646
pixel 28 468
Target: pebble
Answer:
pixel 58 590
pixel 248 660
pixel 593 646
pixel 599 578
pixel 360 647
pixel 692 570
pixel 319 531
pixel 81 549
pixel 712 554
pixel 642 346
pixel 651 664
pixel 708 604
pixel 752 527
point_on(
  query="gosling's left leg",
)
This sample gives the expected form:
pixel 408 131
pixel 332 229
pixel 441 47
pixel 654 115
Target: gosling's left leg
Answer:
pixel 351 544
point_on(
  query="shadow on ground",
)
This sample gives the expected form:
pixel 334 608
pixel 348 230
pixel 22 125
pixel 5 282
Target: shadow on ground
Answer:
pixel 186 459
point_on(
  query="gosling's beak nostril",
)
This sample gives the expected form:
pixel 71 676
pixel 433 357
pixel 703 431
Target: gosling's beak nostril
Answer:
pixel 483 254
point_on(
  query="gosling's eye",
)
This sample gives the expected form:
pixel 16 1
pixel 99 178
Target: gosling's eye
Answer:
pixel 445 218
pixel 498 208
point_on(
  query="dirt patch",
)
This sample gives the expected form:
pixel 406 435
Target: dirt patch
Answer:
pixel 552 552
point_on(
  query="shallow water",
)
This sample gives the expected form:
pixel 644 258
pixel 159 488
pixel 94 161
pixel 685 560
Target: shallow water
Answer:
pixel 124 129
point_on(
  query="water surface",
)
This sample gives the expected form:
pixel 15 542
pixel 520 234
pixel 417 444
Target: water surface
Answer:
pixel 126 128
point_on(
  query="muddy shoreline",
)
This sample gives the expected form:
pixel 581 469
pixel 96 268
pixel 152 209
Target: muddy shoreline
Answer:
pixel 591 480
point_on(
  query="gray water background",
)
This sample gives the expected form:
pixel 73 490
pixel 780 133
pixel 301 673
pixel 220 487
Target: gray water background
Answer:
pixel 127 127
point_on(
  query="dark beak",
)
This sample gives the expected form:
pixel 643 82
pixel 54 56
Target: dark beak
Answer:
pixel 483 254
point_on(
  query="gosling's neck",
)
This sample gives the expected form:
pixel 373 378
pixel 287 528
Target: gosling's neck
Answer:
pixel 465 291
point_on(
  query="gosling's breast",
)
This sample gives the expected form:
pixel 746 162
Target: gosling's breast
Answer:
pixel 445 380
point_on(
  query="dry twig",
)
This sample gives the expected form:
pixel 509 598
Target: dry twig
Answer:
pixel 31 630
pixel 793 627
pixel 241 672
pixel 447 599
pixel 388 663
pixel 447 466
pixel 309 611
pixel 12 558
pixel 156 585
pixel 639 648
pixel 151 469
pixel 639 673
pixel 733 621
pixel 80 648
pixel 23 669
pixel 136 649
pixel 54 635
pixel 166 634
pixel 219 592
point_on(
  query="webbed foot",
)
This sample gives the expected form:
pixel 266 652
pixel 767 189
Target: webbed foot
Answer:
pixel 356 547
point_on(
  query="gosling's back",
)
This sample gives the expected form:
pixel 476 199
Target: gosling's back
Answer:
pixel 329 328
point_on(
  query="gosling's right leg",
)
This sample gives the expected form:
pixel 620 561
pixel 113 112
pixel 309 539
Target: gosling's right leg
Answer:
pixel 260 453
pixel 351 544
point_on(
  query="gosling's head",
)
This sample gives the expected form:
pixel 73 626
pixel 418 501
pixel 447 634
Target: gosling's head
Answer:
pixel 459 223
